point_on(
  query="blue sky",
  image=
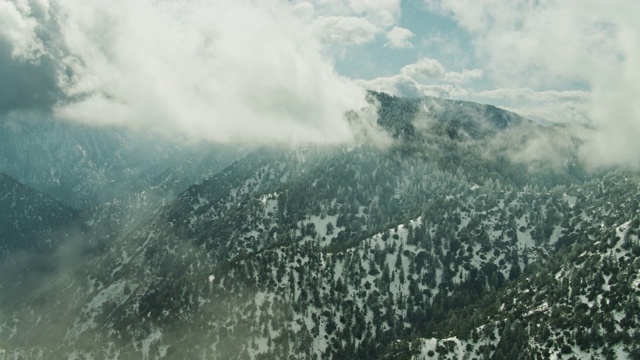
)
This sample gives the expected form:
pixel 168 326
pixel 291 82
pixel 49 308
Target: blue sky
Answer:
pixel 438 32
pixel 271 71
pixel 374 59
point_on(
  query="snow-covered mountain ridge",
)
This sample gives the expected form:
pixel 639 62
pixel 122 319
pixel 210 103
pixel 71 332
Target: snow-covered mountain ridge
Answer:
pixel 432 248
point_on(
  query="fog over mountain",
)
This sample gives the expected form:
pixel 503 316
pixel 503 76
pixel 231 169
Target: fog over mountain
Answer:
pixel 286 72
pixel 319 180
pixel 421 248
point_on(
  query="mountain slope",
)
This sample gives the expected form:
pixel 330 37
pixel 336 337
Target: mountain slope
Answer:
pixel 580 302
pixel 30 220
pixel 116 178
pixel 85 166
pixel 340 252
pixel 34 230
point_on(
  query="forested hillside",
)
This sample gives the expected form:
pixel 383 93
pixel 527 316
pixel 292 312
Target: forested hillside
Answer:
pixel 456 240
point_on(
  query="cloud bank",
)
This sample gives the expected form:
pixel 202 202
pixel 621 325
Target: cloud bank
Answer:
pixel 263 71
pixel 224 71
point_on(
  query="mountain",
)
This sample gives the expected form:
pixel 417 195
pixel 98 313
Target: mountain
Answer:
pixel 31 220
pixel 455 118
pixel 33 230
pixel 452 242
pixel 114 177
pixel 85 167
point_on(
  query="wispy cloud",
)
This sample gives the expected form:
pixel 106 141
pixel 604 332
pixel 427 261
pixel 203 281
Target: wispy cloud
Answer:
pixel 398 38
pixel 382 12
pixel 19 29
pixel 344 30
pixel 530 94
pixel 463 76
pixel 561 106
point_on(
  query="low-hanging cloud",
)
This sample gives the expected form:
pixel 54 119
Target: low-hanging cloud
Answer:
pixel 566 106
pixel 224 71
pixel 550 44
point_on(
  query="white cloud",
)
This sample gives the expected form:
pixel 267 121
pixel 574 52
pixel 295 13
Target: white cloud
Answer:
pixel 530 94
pixel 463 76
pixel 426 77
pixel 224 71
pixel 398 38
pixel 350 22
pixel 553 43
pixel 544 108
pixel 18 27
pixel 568 106
pixel 382 12
pixel 424 67
pixel 246 70
pixel 344 30
pixel 398 85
